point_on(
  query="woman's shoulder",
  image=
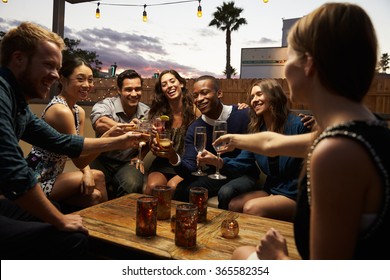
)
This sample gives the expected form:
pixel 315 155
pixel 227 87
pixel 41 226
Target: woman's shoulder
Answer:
pixel 340 148
pixel 80 110
pixel 58 110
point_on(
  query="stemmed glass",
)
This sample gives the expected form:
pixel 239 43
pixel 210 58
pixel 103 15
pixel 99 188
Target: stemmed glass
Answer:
pixel 144 127
pixel 200 144
pixel 220 128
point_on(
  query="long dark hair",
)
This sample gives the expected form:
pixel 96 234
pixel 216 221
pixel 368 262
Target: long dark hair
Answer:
pixel 160 105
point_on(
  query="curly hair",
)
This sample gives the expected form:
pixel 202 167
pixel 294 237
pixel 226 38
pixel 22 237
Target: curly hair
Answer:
pixel 160 104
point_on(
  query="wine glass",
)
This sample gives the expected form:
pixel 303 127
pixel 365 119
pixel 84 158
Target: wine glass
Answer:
pixel 200 144
pixel 144 127
pixel 220 128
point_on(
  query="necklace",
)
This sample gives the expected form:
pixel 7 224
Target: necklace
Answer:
pixel 342 130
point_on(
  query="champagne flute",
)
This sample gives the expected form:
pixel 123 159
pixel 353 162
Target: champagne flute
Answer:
pixel 220 128
pixel 200 144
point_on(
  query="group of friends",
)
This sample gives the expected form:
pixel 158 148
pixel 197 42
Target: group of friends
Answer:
pixel 329 177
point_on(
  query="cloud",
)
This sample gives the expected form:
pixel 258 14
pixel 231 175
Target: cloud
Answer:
pixel 208 32
pixel 6 25
pixel 263 40
pixel 145 54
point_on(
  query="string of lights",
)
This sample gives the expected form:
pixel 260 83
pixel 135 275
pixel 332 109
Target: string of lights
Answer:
pixel 145 14
pixel 159 4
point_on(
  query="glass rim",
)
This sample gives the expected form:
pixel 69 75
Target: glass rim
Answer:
pixel 162 187
pixel 147 198
pixel 186 207
pixel 199 189
pixel 165 132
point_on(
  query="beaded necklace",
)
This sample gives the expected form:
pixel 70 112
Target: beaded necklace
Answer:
pixel 340 130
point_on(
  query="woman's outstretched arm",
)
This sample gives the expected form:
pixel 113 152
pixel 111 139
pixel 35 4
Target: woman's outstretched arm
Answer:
pixel 268 143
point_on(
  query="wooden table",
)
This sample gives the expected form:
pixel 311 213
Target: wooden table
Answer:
pixel 113 222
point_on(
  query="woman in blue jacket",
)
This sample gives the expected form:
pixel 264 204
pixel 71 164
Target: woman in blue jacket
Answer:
pixel 269 111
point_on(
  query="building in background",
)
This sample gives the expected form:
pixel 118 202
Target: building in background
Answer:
pixel 266 62
pixel 263 62
pixel 287 24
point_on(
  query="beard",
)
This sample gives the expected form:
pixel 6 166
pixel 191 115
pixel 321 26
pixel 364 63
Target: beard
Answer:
pixel 30 85
pixel 28 90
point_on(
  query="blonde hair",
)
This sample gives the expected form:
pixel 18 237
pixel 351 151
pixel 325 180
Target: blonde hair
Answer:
pixel 342 41
pixel 26 37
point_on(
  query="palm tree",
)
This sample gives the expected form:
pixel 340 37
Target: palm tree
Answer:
pixel 233 71
pixel 384 62
pixel 227 18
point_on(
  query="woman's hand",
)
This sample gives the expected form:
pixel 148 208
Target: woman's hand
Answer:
pixel 87 183
pixel 272 246
pixel 158 151
pixel 228 142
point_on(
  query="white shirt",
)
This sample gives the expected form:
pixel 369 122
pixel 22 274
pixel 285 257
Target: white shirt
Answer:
pixel 225 114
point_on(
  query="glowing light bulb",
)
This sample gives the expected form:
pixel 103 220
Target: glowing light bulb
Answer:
pixel 199 14
pixel 144 15
pixel 5 1
pixel 265 1
pixel 97 15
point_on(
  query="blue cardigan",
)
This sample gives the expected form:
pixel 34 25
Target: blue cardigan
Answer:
pixel 280 180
